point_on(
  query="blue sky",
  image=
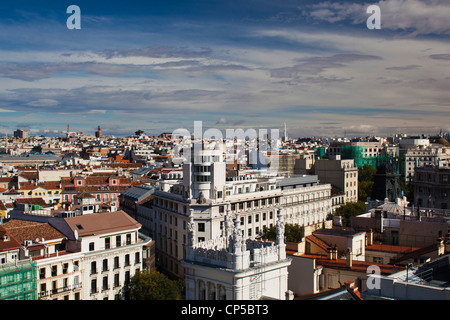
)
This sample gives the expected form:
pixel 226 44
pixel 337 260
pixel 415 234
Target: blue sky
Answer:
pixel 161 65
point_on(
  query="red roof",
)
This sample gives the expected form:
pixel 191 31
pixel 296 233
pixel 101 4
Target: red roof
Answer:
pixel 390 248
pixel 9 244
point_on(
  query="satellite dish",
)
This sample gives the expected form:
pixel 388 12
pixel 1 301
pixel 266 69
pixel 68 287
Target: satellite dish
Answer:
pixel 75 233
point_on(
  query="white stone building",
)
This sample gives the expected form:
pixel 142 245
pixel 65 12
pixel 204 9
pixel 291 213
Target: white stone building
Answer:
pixel 206 193
pixel 112 251
pixel 416 153
pixel 232 268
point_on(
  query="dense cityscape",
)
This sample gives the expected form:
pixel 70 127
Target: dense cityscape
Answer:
pixel 81 215
pixel 225 156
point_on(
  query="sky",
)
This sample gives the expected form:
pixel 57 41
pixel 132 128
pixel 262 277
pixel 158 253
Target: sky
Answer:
pixel 158 66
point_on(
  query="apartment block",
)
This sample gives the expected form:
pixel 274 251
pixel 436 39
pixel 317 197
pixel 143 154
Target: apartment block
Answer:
pixel 432 187
pixel 343 174
pixel 82 257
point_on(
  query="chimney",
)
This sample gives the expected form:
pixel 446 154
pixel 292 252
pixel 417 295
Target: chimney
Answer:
pixel 349 258
pixel 369 237
pixel 330 253
pixel 441 246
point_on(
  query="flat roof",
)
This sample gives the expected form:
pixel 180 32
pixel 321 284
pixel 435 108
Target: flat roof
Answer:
pixel 337 232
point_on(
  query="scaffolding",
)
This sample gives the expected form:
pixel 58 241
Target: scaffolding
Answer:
pixel 18 281
pixel 358 154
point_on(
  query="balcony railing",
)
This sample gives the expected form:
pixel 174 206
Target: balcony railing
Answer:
pixel 52 292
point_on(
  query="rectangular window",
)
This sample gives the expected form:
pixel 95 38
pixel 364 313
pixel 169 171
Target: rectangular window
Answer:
pixel 137 258
pixel 93 267
pixel 116 280
pixel 105 283
pixel 54 271
pixel 93 285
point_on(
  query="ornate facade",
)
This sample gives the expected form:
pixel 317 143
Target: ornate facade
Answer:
pixel 231 267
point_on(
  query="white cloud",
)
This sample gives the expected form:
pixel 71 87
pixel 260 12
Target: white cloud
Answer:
pixel 43 103
pixel 413 16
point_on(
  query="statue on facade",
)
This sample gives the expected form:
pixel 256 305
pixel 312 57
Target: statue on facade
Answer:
pixel 201 199
pixel 280 227
pixel 191 230
pixel 235 244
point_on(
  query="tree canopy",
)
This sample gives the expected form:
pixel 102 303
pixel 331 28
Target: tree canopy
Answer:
pixel 292 233
pixel 153 285
pixel 365 181
pixel 350 209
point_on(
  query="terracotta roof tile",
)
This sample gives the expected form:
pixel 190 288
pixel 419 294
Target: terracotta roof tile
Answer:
pixel 37 201
pixel 100 223
pixel 320 243
pixel 30 230
pixel 2 206
pixel 9 244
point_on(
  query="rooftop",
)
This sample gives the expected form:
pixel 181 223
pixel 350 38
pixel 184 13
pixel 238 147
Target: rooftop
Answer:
pixel 23 230
pixel 101 223
pixel 338 232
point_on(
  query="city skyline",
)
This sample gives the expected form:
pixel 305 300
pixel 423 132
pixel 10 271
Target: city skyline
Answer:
pixel 314 65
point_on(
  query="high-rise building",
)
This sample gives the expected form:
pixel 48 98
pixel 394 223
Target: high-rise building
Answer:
pixel 20 134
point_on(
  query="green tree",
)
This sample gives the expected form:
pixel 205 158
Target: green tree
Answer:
pixel 153 285
pixel 365 181
pixel 350 209
pixel 408 190
pixel 292 233
pixel 366 173
pixel 364 190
